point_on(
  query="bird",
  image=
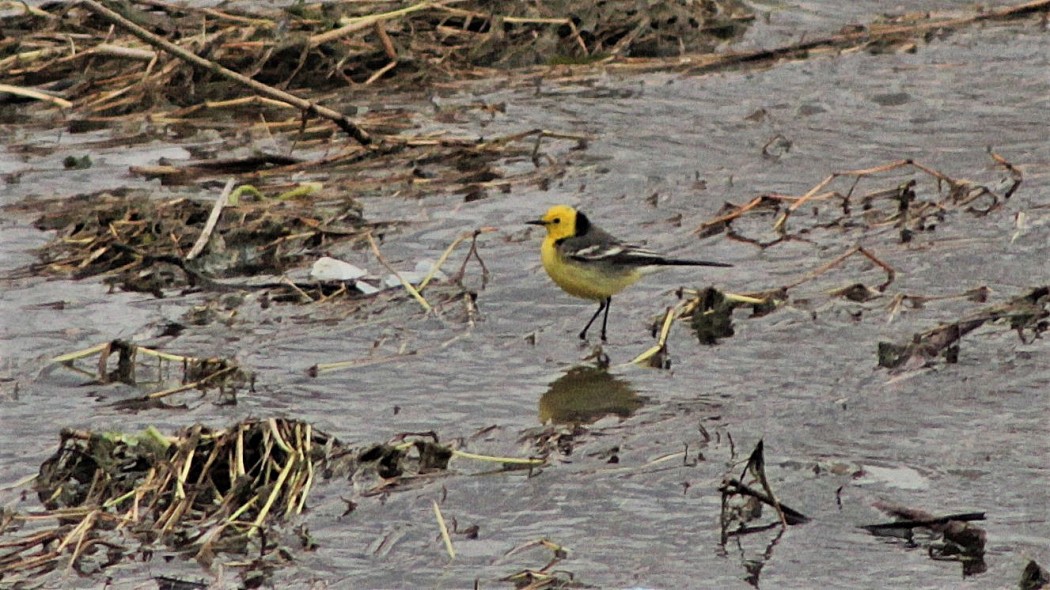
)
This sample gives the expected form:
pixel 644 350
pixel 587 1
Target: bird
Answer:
pixel 590 263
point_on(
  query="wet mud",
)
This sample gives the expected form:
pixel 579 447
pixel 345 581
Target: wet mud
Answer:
pixel 365 328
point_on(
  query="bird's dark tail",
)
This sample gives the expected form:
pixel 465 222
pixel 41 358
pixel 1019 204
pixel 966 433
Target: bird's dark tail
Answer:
pixel 684 262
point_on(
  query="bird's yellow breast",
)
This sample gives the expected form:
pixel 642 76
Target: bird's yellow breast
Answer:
pixel 595 281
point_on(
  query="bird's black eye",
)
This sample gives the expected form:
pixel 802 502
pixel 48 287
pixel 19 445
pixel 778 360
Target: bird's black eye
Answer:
pixel 556 220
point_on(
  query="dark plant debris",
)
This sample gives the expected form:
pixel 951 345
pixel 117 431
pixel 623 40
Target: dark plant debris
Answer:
pixel 555 440
pixel 384 467
pixel 836 204
pixel 1028 315
pixel 1034 577
pixel 712 316
pixel 742 504
pixel 140 366
pixel 545 577
pixel 169 583
pixel 959 539
pixel 742 508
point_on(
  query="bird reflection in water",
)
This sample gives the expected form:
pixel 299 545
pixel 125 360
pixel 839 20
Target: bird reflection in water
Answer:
pixel 586 394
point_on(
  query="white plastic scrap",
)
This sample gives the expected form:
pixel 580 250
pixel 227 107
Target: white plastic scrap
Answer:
pixel 415 277
pixel 327 268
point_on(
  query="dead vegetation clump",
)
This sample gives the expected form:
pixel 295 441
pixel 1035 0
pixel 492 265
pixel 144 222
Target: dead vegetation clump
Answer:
pixel 142 244
pixel 70 56
pixel 142 367
pixel 324 46
pixel 237 244
pixel 112 495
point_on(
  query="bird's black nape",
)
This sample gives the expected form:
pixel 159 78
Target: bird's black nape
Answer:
pixel 582 223
pixel 603 304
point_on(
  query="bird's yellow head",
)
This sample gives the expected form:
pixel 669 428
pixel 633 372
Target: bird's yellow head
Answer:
pixel 561 221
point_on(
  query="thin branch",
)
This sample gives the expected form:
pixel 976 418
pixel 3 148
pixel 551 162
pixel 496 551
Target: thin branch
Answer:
pixel 213 219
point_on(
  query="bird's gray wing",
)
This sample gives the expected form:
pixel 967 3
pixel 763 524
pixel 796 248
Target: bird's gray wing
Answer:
pixel 600 246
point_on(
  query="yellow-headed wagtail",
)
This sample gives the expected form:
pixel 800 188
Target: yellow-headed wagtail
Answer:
pixel 588 262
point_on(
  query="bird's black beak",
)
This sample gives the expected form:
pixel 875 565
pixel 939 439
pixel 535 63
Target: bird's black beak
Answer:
pixel 536 222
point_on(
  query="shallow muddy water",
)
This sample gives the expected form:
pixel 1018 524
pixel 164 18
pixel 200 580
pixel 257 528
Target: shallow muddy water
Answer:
pixel 840 433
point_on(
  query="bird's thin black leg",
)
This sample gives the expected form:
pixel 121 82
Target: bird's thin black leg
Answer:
pixel 605 320
pixel 601 305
